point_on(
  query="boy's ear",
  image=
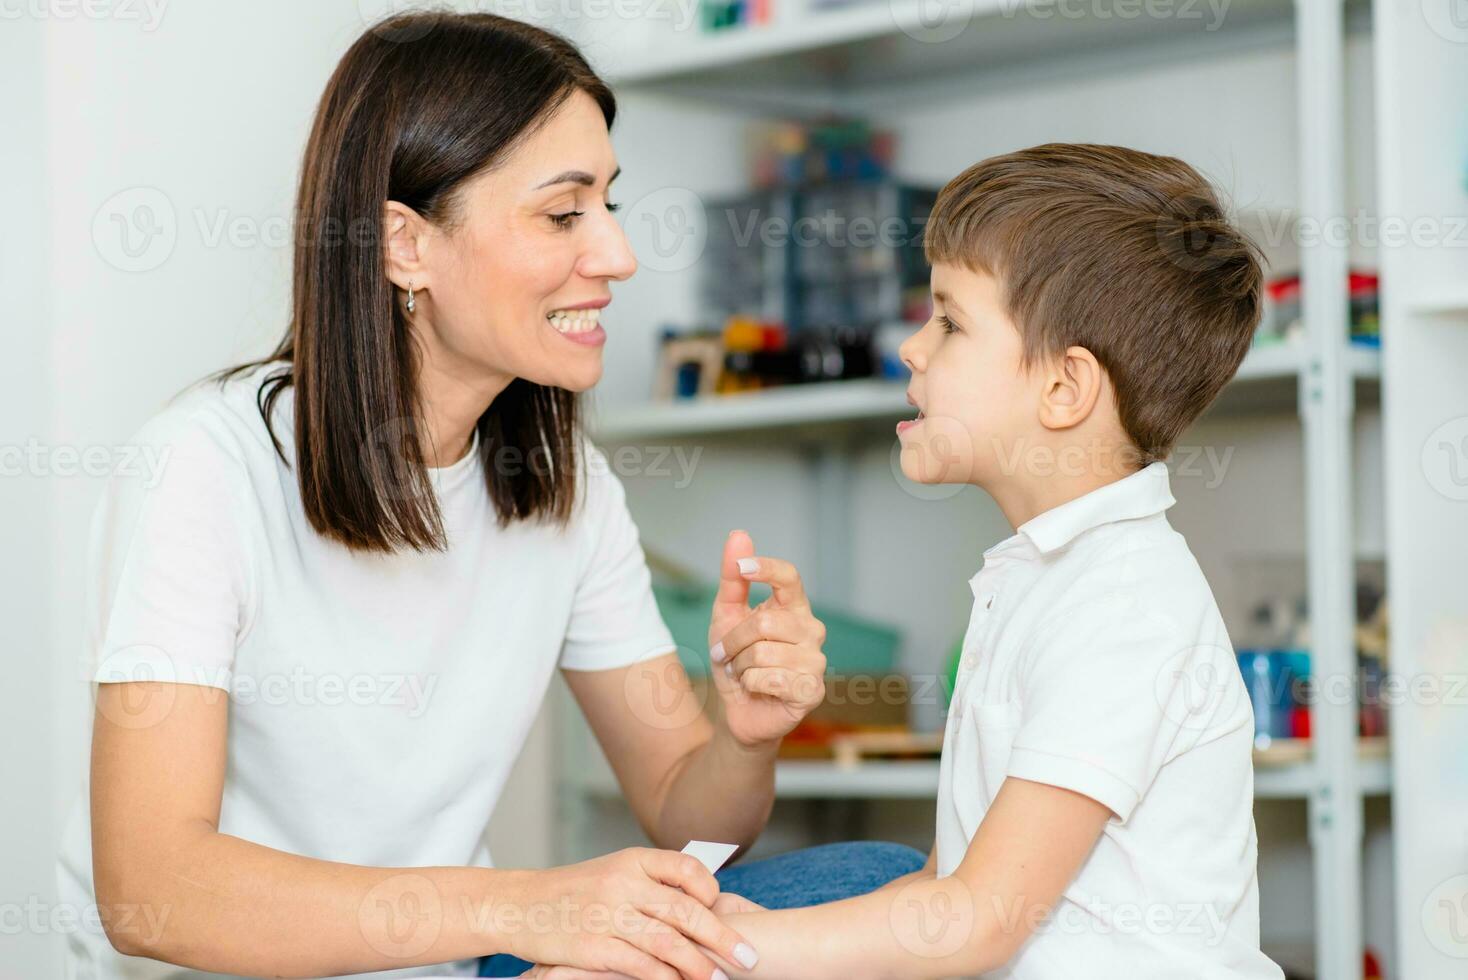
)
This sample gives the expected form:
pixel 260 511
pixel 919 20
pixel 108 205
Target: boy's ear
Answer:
pixel 1073 383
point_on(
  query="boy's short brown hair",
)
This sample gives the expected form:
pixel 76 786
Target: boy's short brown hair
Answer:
pixel 1125 253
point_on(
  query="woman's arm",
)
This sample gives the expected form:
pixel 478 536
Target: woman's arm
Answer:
pixel 688 775
pixel 171 887
pixel 1029 847
pixel 682 780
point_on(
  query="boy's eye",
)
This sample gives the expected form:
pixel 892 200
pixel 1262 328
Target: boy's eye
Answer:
pixel 614 208
pixel 947 324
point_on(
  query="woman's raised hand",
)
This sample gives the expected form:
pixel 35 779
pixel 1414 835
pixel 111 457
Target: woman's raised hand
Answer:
pixel 640 912
pixel 766 662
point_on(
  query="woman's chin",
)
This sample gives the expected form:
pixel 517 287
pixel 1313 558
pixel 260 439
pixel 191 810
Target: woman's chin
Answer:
pixel 574 377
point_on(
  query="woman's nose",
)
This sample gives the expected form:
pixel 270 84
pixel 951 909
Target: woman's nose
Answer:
pixel 610 255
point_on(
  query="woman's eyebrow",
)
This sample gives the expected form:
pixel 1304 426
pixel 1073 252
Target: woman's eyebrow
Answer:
pixel 577 177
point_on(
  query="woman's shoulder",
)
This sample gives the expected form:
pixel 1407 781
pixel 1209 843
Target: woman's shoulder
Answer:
pixel 601 499
pixel 597 482
pixel 220 418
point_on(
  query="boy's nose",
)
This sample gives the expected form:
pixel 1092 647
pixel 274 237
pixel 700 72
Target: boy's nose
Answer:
pixel 911 353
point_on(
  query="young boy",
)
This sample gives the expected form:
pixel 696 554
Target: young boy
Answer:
pixel 1095 800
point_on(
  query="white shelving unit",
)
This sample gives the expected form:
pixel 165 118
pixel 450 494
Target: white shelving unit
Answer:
pixel 1422 163
pixel 1290 778
pixel 1268 376
pixel 864 55
pixel 838 56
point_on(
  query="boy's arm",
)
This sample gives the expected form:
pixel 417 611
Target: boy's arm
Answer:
pixel 928 870
pixel 1029 847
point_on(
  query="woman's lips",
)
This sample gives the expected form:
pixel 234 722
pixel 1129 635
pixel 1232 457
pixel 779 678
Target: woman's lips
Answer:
pixel 594 337
pixel 579 324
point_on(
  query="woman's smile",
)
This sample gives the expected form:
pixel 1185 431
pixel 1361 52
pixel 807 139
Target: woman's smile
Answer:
pixel 580 323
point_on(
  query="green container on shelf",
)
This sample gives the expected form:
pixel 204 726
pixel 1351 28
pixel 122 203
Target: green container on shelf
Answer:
pixel 853 645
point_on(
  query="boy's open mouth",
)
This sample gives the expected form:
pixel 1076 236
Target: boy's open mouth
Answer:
pixel 906 424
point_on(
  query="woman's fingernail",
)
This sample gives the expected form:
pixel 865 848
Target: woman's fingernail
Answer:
pixel 719 974
pixel 748 566
pixel 729 669
pixel 746 955
pixel 716 652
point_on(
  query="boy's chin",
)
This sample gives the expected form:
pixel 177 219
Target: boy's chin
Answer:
pixel 913 472
pixel 921 467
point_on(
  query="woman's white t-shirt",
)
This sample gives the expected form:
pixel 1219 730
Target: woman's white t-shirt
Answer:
pixel 377 702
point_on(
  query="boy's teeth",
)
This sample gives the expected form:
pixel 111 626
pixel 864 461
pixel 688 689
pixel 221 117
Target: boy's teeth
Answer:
pixel 573 321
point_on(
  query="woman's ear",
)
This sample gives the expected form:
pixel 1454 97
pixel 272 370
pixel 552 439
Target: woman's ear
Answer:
pixel 1073 384
pixel 403 236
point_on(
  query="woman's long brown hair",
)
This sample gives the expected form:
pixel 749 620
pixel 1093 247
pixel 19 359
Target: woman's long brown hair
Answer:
pixel 421 103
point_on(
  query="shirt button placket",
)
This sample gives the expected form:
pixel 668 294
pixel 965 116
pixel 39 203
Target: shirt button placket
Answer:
pixel 984 614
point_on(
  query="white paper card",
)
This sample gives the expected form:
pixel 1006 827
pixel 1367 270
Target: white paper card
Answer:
pixel 710 854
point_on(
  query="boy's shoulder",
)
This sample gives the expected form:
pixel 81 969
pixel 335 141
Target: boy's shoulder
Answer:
pixel 1144 563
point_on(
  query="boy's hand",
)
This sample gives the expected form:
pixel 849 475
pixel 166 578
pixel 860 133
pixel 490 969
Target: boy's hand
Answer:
pixel 728 904
pixel 766 662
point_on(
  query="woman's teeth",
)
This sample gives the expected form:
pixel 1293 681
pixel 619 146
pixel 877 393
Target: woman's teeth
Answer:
pixel 573 321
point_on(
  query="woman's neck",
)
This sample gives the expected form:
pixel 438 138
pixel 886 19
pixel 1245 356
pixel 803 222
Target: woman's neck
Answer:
pixel 453 397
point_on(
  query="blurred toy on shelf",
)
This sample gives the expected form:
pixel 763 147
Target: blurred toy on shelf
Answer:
pixel 1281 321
pixel 792 153
pixel 1371 652
pixel 749 355
pixel 1276 667
pixel 689 365
pixel 721 15
pixel 863 716
pixel 817 274
pixel 833 255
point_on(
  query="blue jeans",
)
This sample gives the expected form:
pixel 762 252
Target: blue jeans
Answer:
pixel 812 876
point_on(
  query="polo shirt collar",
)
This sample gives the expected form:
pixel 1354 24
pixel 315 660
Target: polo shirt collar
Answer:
pixel 1142 494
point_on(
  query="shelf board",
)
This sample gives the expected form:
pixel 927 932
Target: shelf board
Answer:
pixel 1266 380
pixel 834 401
pixel 1286 771
pixel 1282 772
pixel 815 779
pixel 1443 301
pixel 875 45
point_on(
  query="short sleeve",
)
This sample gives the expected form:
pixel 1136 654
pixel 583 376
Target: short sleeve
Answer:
pixel 1110 691
pixel 168 580
pixel 614 618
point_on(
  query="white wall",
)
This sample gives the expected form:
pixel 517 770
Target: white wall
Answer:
pixel 27 774
pixel 201 115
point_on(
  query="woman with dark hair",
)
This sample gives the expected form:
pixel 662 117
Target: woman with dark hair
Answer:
pixel 321 637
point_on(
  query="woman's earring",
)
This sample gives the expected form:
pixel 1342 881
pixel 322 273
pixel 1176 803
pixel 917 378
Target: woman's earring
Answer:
pixel 411 305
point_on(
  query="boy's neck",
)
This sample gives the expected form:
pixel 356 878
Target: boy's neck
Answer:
pixel 1024 496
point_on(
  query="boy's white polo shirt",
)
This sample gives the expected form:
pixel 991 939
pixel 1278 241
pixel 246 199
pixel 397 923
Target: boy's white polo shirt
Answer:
pixel 1096 660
